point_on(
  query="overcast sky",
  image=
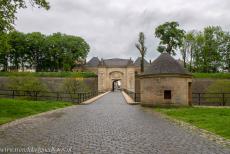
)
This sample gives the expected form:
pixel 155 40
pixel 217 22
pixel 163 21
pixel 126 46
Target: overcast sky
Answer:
pixel 111 27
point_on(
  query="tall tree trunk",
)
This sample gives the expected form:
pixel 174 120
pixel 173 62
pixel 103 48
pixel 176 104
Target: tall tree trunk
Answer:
pixel 142 64
pixel 191 59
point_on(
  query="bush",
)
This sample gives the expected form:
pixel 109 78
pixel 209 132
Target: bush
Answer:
pixel 74 86
pixel 31 86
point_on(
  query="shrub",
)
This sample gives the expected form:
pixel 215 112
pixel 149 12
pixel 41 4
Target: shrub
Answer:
pixel 73 86
pixel 31 86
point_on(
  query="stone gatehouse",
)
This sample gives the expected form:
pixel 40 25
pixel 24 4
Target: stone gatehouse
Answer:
pixel 113 71
pixel 164 82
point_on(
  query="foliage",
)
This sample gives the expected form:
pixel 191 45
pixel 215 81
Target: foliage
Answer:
pixel 56 52
pixel 14 109
pixel 212 75
pixel 171 37
pixel 219 86
pixel 141 47
pixel 74 86
pixel 8 9
pixel 32 86
pixel 216 120
pixel 71 85
pixel 26 84
pixel 49 74
pixel 4 49
pixel 207 51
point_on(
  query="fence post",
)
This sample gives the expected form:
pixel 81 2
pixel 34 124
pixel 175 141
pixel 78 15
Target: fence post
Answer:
pixel 36 95
pixel 199 98
pixel 57 96
pixel 223 99
pixel 13 94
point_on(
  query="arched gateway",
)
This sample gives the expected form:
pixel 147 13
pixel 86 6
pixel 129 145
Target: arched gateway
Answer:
pixel 113 71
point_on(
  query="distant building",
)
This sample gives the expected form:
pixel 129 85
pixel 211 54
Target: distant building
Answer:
pixel 111 71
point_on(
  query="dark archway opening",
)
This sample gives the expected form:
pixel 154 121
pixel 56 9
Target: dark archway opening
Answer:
pixel 116 85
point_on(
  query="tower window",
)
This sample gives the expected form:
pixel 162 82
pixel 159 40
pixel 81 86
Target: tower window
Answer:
pixel 167 94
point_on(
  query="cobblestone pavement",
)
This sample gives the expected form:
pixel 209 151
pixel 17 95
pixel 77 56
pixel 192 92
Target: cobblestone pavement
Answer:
pixel 107 126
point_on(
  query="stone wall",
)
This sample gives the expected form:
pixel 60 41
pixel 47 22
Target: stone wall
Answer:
pixel 153 89
pixel 198 85
pixel 54 84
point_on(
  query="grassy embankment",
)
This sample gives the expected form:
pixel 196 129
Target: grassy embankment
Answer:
pixel 212 75
pixel 49 74
pixel 215 120
pixel 12 109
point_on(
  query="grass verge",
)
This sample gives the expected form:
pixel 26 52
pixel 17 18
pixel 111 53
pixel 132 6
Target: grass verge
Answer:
pixel 12 109
pixel 212 75
pixel 215 120
pixel 49 74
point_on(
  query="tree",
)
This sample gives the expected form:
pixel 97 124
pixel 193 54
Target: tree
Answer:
pixel 171 37
pixel 8 9
pixel 225 52
pixel 35 49
pixel 17 52
pixel 141 47
pixel 4 51
pixel 187 49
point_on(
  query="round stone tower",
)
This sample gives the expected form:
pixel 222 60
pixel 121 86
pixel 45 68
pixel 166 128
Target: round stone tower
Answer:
pixel 165 82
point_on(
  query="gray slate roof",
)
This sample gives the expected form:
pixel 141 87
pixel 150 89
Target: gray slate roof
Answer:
pixel 165 64
pixel 137 63
pixel 94 62
pixel 116 62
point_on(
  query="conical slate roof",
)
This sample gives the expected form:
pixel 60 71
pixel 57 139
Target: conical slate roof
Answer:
pixel 165 64
pixel 94 62
pixel 138 62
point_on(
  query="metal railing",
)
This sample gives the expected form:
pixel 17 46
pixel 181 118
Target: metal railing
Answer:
pixel 52 96
pixel 135 96
pixel 205 99
pixel 211 99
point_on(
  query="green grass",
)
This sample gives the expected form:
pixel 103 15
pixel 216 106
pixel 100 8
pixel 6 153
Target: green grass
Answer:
pixel 50 74
pixel 216 120
pixel 212 75
pixel 11 109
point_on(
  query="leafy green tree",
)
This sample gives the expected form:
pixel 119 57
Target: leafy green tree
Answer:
pixel 142 49
pixel 207 51
pixel 187 49
pixel 225 52
pixel 171 37
pixel 4 51
pixel 35 48
pixel 17 55
pixel 8 9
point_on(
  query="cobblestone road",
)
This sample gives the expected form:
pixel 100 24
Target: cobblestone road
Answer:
pixel 107 126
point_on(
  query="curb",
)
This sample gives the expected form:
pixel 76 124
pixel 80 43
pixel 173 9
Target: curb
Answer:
pixel 129 100
pixel 92 100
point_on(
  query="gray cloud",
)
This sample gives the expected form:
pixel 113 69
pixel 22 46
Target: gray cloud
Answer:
pixel 111 27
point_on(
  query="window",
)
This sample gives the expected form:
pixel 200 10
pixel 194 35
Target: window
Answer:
pixel 167 94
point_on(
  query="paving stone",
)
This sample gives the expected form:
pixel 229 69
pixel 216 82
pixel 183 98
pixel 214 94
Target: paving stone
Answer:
pixel 107 126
